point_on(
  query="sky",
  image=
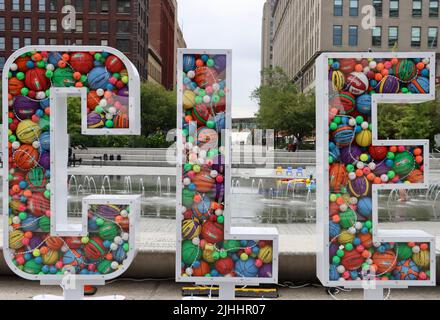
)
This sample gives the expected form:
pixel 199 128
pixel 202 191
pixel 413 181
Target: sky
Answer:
pixel 228 24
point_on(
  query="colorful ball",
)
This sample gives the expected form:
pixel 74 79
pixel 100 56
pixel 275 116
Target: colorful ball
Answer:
pixel 63 77
pixel 344 102
pixel 385 262
pixel 422 258
pixel 15 86
pixel 357 83
pixel 404 163
pixel 26 157
pixel 51 257
pixel 345 237
pixel 406 270
pixel 108 211
pixel 338 177
pixel 28 131
pixel 36 80
pixel 337 79
pixel 114 64
pixel 81 62
pixel 98 78
pixel 190 252
pixel 363 103
pixel 378 153
pixel 15 239
pixel 224 266
pixel 265 254
pixel 359 187
pixel 38 204
pixel 343 135
pixel 189 63
pixel 246 268
pixel 352 260
pixel 347 65
pixel 405 70
pixel 189 101
pixel 212 232
pixel 348 219
pixel 32 267
pixel 388 84
pixel 94 249
pixel 205 76
pixel 364 207
pixel 203 181
pixel 191 228
pixel 54 243
pixel 95 120
pixel 201 114
pixel 364 138
pixel 108 231
pixel 25 108
pixel 419 85
pixel 416 176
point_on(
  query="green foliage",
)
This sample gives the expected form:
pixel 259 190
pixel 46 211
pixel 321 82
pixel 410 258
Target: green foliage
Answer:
pixel 283 107
pixel 158 116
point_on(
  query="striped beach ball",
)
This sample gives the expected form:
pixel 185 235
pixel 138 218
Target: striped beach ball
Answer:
pixel 357 83
pixel 337 79
pixel 419 85
pixel 191 228
pixel 388 84
pixel 343 135
pixel 344 102
pixel 405 70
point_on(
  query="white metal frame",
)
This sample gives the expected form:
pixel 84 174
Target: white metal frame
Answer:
pixel 231 233
pixel 322 168
pixel 134 129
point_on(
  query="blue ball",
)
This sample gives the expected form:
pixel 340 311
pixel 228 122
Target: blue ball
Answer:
pixel 45 269
pixel 419 85
pixel 45 141
pixel 356 241
pixel 335 229
pixel 92 224
pixel 120 254
pixel 54 57
pixel 204 57
pixel 30 224
pixel 214 273
pixel 363 103
pixel 196 264
pixel 364 207
pixel 424 73
pixel 220 121
pixel 354 275
pixel 30 65
pixel 107 243
pixel 246 268
pixel 98 78
pixel 53 270
pixel 333 274
pixel 189 63
pixel 39 260
pixel 27 256
pixel 389 163
pixel 336 65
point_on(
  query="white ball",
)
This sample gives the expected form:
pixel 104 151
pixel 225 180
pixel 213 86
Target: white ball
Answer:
pixel 372 166
pixel 16 220
pixel 118 240
pixel 416 249
pixel 40 95
pixel 189 271
pixel 108 116
pixel 384 178
pixel 360 165
pixel 100 92
pixel 369 261
pixel 376 244
pixel 358 225
pixel 65 248
pixel 203 154
pixel 36 144
pixel 196 241
pixel 216 87
pixel 373 64
pixel 50 67
pixel 352 230
pixel 364 125
pixel 11 103
pixel 214 174
pixel 14 67
pixel 222 149
pixel 343 207
pixel 113 247
pixel 187 181
pixel 114 265
pixel 191 74
pixel 340 269
pixel 353 200
pixel 366 69
pixel 16 145
pixel 103 103
pixel 196 149
pixel 341 279
pixel 426 61
pixel 218 212
pixel 352 122
pixel 112 110
pixel 206 99
pixel 352 176
pixel 124 213
pixel 48 186
pixel 125 236
pixel 189 146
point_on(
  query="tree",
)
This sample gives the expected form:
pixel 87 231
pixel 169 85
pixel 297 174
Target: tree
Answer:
pixel 283 107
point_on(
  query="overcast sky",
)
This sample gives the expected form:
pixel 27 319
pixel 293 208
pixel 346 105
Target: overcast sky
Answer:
pixel 228 24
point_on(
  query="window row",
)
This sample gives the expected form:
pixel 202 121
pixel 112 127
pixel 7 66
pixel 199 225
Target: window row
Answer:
pixel 394 8
pixel 122 26
pixel 122 44
pixel 393 36
pixel 122 6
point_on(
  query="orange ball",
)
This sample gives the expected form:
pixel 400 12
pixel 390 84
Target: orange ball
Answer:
pixel 378 77
pixel 44 250
pixel 37 57
pixel 79 85
pixel 62 64
pixel 200 63
pixel 66 57
pixel 371 176
pixel 377 180
pixel 47 111
pixel 214 205
pixel 366 254
pixel 420 66
pixel 10 96
pixel 188 119
pixel 109 256
pixel 419 159
pixel 197 198
pixel 385 72
pixel 77 75
pixel 424 246
pixel 394 61
pixel 411 244
pixel 15 188
pixel 27 193
pixel 108 94
pixel 358 68
pixel 359 173
pixel 340 201
pixel 417 152
pixel 393 149
pixel 28 234
pixel 380 66
pixel 336 218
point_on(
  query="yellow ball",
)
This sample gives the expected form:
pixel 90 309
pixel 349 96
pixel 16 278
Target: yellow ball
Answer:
pixel 345 237
pixel 189 100
pixel 422 258
pixel 364 138
pixel 51 257
pixel 15 238
pixel 208 252
pixel 265 254
pixel 28 131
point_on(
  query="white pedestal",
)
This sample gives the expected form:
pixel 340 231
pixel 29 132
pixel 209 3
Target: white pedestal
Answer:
pixel 226 291
pixel 373 294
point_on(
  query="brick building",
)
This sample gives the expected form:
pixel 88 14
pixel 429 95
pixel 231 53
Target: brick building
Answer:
pixel 122 24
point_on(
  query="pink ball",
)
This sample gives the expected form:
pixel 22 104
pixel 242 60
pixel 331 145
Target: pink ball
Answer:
pixel 202 243
pixel 388 65
pixel 248 250
pixel 422 276
pixel 113 80
pixel 47 213
pixel 400 148
pixel 25 241
pixel 258 263
pixel 209 90
pixel 366 170
pixel 219 179
pixel 360 248
pixel 35 118
pixel 346 275
pixel 59 265
pixel 20 260
pixel 191 174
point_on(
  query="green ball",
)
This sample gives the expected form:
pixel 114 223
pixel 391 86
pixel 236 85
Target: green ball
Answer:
pixel 212 153
pixel 47 93
pixel 187 197
pixel 405 90
pixel 337 120
pixel 198 99
pixel 104 267
pixel 24 91
pixel 32 267
pixel 216 255
pixel 210 124
pixel 9 74
pixel 190 139
pixel 109 124
pixel 403 251
pixel 336 260
pixel 210 63
pixel 117 76
pixel 126 247
pixel 202 93
pixel 41 64
pixel 333 126
pixel 359 119
pixel 215 98
pixel 231 245
pixel 83 78
pixel 12 138
pixel 99 222
pixel 348 218
pixel 390 155
pixel 348 246
pixel 404 163
pixel 108 231
pixel 22 215
pixel 221 93
pixel 343 189
pixel 350 168
pixel 340 253
pixel 187 167
pixel 98 56
pixel 44 224
pixel 190 252
pixel 391 174
pixel 330 159
pixel 46 194
pixel 220 219
pixel 223 254
pixel 49 73
pixel 99 109
pixel 185 132
pixel 63 77
pixel 20 76
pixel 368 224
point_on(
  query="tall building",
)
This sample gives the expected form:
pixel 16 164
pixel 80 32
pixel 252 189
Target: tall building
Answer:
pixel 162 28
pixel 122 24
pixel 267 35
pixel 305 29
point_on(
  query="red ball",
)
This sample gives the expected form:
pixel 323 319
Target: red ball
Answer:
pixel 347 65
pixel 54 243
pixel 114 64
pixel 212 232
pixel 73 242
pixel 94 249
pixel 38 204
pixel 205 76
pixel 224 266
pixel 82 62
pixel 378 153
pixel 352 260
pixel 36 80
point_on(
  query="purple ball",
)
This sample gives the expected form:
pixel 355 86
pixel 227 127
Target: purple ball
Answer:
pixel 381 168
pixel 359 187
pixel 108 212
pixel 220 62
pixel 34 242
pixel 45 160
pixel 94 120
pixel 25 108
pixel 350 154
pixel 219 192
pixel 123 92
pixel 265 271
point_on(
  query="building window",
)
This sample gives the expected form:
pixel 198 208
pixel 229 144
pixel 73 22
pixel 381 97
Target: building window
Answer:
pixel 104 42
pixel 53 41
pixel 394 8
pixel 416 34
pixel 53 25
pixel 105 6
pixel 123 26
pixel 27 5
pixel 123 45
pixel 92 26
pixel 104 26
pixel 2 43
pixel 92 42
pixel 377 37
pixel 41 41
pixel 417 8
pixel 378 5
pixel 2 62
pixel 52 5
pixel 27 24
pixel 79 26
pixel 337 8
pixel 393 35
pixel 354 8
pixel 353 36
pixel 15 43
pixel 432 37
pixel 337 35
pixel 2 4
pixel 67 42
pixel 93 6
pixel 79 5
pixel 42 5
pixel 2 23
pixel 79 42
pixel 16 5
pixel 16 24
pixel 433 8
pixel 124 6
pixel 41 24
pixel 27 42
